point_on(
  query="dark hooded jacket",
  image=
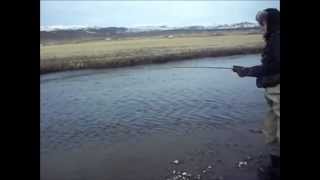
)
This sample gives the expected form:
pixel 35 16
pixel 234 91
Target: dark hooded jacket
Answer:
pixel 268 73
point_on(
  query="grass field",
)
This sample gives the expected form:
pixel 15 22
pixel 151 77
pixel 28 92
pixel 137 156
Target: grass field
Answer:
pixel 125 52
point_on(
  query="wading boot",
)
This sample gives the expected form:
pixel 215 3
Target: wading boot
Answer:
pixel 271 172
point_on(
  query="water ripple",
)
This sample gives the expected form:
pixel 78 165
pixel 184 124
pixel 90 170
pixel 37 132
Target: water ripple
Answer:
pixel 117 105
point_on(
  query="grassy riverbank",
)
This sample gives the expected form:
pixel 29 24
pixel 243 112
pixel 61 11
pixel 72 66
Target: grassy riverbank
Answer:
pixel 144 50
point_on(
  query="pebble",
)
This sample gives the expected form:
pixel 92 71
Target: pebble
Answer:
pixel 175 178
pixel 174 172
pixel 198 176
pixel 242 163
pixel 184 174
pixel 204 171
pixel 209 167
pixel 176 162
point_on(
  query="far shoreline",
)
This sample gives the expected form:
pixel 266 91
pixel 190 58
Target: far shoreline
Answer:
pixel 154 60
pixel 126 53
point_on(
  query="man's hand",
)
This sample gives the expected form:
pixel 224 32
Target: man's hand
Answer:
pixel 240 70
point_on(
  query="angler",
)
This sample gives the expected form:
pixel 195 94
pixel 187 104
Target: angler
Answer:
pixel 268 77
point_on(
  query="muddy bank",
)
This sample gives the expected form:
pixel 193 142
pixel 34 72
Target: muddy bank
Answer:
pixel 237 155
pixel 232 153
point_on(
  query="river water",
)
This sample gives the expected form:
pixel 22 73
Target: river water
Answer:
pixel 131 122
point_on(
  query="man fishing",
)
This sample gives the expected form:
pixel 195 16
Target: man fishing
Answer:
pixel 268 77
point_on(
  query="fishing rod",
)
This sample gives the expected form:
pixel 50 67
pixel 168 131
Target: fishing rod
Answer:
pixel 206 67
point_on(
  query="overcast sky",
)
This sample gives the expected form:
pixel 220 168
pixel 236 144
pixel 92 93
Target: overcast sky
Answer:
pixel 143 13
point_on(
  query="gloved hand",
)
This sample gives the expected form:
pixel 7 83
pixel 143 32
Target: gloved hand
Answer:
pixel 241 71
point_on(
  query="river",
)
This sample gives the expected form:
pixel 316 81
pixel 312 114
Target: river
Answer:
pixel 130 123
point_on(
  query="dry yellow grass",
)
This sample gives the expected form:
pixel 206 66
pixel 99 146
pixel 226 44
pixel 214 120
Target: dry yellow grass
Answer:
pixel 143 50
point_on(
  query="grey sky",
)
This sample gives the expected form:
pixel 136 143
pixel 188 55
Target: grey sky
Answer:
pixel 142 13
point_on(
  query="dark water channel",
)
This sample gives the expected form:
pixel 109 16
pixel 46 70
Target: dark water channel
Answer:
pixel 130 123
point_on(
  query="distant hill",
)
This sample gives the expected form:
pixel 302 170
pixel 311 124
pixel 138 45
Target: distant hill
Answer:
pixel 56 34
